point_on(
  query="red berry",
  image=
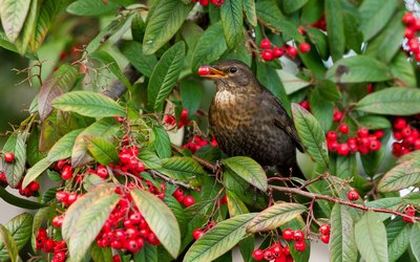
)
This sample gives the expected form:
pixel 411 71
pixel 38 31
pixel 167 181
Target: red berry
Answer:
pixel 337 116
pixel 363 132
pixel 300 245
pixel 406 132
pixel 399 123
pixel 265 43
pixel 375 145
pixel 408 18
pixel 325 238
pixel 204 70
pixel 178 193
pixel 325 229
pixel 343 128
pixel 268 255
pixel 291 51
pixel 353 195
pixel 379 134
pixel 287 234
pixel 124 158
pixel 413 44
pixel 169 120
pixel 188 201
pixel 258 255
pixel 67 172
pixel 62 196
pixel 409 33
pixel 197 233
pixel 409 211
pixel 9 157
pixel 298 235
pixel 58 221
pixel 217 3
pixel 267 55
pixel 305 104
pixel 33 186
pixel 278 52
pixel 101 171
pixel 331 136
pixel 204 2
pixel 183 118
pixel 332 146
pixel 343 149
pixel 116 258
pixel 304 47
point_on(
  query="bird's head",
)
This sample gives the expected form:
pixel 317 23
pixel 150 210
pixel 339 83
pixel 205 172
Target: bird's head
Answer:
pixel 231 75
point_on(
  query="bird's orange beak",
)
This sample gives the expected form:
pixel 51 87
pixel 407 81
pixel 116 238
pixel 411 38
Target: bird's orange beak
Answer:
pixel 211 72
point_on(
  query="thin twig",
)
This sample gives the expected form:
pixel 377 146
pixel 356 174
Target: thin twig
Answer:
pixel 201 161
pixel 341 201
pixel 169 180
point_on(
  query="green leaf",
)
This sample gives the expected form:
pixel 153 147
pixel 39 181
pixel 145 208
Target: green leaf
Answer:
pixel 150 159
pixel 165 75
pixel 328 90
pixel 28 28
pixel 235 205
pixel 20 229
pixel 80 210
pixel 398 234
pixel 62 80
pixel 62 149
pixel 191 94
pixel 392 101
pixel 386 44
pixel 403 71
pixel 375 15
pixel 371 238
pixel 374 122
pixel 182 168
pixel 160 219
pixel 321 108
pixel 16 144
pixel 358 69
pixel 290 6
pixel 13 14
pixel 250 12
pixel 209 47
pixel 100 254
pixel 87 226
pixel 165 20
pixel 401 176
pixel 275 216
pixel 7 242
pixel 415 240
pixel 390 203
pixel 40 217
pixel 102 150
pixel 354 37
pixel 91 7
pixel 133 51
pixel 35 171
pixel 161 142
pixel 319 39
pixel 232 22
pixel 291 82
pixel 220 239
pixel 105 128
pixel 18 202
pixel 88 103
pixel 342 244
pixel 147 254
pixel 335 28
pixel 311 135
pixel 248 169
pixel 346 167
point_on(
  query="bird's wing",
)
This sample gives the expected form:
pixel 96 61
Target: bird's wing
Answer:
pixel 282 120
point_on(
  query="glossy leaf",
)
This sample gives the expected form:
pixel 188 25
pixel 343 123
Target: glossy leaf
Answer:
pixel 335 28
pixel 358 69
pixel 17 201
pixel 16 144
pixel 248 169
pixel 20 229
pixel 235 205
pixel 415 240
pixel 391 101
pixel 8 245
pixel 232 21
pixel 220 239
pixel 160 219
pixel 100 254
pixel 88 103
pixel 102 150
pixel 133 51
pixel 91 7
pixel 165 20
pixel 342 243
pixel 250 12
pixel 165 75
pixel 13 14
pixel 40 217
pixel 371 238
pixel 275 216
pixel 291 6
pixel 401 176
pixel 35 171
pixel 398 234
pixel 62 149
pixel 182 168
pixel 311 135
pixel 161 142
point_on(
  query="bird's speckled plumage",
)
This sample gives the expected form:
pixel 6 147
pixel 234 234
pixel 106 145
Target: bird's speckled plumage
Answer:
pixel 248 120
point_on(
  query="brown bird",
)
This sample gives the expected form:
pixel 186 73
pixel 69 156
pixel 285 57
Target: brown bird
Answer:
pixel 247 120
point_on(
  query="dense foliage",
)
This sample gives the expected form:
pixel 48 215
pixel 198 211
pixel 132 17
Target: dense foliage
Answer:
pixel 116 148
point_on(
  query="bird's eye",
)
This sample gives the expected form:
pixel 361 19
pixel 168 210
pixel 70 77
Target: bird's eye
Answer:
pixel 233 69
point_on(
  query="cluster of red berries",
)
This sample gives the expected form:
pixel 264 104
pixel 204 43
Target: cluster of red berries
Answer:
pixel 170 120
pixel 409 211
pixel 199 232
pixel 217 3
pixel 298 236
pixel 276 252
pixel 408 137
pixel 270 52
pixel 30 190
pixel 186 200
pixel 126 229
pixel 412 27
pixel 129 162
pixel 353 195
pixel 197 142
pixel 66 198
pixel 49 245
pixel 325 231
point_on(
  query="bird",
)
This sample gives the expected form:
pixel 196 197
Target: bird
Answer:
pixel 247 120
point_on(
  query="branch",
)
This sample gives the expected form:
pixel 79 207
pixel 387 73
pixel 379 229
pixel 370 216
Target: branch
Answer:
pixel 341 201
pixel 169 180
pixel 200 160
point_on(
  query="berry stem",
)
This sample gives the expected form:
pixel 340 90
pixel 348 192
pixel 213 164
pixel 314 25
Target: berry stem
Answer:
pixel 340 201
